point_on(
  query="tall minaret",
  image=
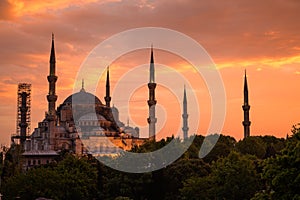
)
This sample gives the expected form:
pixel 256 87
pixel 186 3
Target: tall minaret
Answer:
pixel 246 108
pixel 185 116
pixel 152 102
pixel 107 97
pixel 52 78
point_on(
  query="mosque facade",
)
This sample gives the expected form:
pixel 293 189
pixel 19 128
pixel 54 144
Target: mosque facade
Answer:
pixel 81 125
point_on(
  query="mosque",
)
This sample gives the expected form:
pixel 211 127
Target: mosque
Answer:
pixel 82 125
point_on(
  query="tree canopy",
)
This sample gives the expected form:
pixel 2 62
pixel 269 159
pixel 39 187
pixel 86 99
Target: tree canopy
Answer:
pixel 258 167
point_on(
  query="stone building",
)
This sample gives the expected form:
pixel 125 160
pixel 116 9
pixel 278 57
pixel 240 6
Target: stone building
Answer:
pixel 82 124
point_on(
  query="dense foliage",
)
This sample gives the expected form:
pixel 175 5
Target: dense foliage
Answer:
pixel 258 167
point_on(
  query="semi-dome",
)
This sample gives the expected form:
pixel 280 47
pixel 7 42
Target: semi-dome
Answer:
pixel 82 97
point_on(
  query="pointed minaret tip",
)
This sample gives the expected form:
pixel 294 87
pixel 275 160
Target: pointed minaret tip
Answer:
pixel 107 78
pixel 52 59
pixel 184 94
pixel 245 81
pixel 152 58
pixel 152 79
pixel 52 53
pixel 107 91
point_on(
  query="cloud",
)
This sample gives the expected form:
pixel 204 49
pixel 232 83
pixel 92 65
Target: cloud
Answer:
pixel 27 8
pixel 236 33
pixel 228 30
pixel 5 10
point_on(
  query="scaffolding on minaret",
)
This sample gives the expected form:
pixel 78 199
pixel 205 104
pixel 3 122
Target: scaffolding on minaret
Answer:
pixel 23 87
pixel 23 111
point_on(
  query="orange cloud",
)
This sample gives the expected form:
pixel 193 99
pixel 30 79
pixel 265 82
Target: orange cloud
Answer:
pixel 262 62
pixel 262 36
pixel 23 7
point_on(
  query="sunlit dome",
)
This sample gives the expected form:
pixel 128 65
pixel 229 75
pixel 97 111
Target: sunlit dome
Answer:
pixel 82 97
pixel 114 109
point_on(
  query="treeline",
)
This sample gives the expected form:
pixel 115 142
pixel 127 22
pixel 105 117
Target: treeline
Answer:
pixel 258 167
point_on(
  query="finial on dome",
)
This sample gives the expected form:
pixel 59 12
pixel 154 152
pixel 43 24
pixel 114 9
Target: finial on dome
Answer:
pixel 82 86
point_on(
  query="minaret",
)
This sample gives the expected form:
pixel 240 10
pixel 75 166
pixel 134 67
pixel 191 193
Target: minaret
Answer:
pixel 107 97
pixel 23 124
pixel 152 102
pixel 246 108
pixel 52 78
pixel 185 116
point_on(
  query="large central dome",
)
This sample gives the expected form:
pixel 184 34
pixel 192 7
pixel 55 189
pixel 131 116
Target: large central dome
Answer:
pixel 82 97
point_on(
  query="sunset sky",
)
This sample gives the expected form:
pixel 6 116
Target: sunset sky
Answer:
pixel 260 36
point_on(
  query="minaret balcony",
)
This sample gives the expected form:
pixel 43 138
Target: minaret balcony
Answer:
pixel 246 107
pixel 51 98
pixel 151 102
pixel 107 98
pixel 185 128
pixel 52 78
pixel 185 115
pixel 151 86
pixel 246 123
pixel 150 120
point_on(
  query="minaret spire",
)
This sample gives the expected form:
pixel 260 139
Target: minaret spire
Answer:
pixel 52 57
pixel 152 101
pixel 152 78
pixel 246 108
pixel 107 97
pixel 185 116
pixel 246 100
pixel 52 78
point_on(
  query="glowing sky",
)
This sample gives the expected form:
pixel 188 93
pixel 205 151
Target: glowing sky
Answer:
pixel 261 36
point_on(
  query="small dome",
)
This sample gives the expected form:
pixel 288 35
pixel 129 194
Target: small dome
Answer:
pixel 82 97
pixel 114 109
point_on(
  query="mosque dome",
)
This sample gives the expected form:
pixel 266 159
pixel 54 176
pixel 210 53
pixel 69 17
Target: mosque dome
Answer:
pixel 114 109
pixel 82 97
